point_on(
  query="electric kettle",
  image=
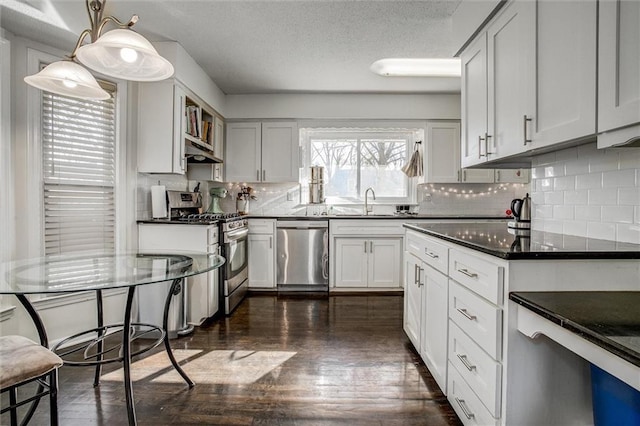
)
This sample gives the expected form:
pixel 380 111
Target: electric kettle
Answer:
pixel 521 209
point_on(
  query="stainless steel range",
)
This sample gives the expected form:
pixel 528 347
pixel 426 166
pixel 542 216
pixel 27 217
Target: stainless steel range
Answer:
pixel 233 229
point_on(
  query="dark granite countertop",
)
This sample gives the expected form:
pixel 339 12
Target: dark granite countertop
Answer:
pixel 609 319
pixel 174 222
pixel 404 217
pixel 496 239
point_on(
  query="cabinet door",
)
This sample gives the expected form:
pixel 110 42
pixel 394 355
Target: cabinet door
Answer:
pixel 351 262
pixel 243 150
pixel 565 99
pixel 384 262
pixel 474 101
pixel 618 64
pixel 412 300
pixel 160 122
pixel 477 175
pixel 512 176
pixel 442 159
pixel 280 152
pixel 434 335
pixel 261 261
pixel 218 140
pixel 511 62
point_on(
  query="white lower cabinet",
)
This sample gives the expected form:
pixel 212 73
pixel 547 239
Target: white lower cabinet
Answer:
pixel 361 262
pixel 465 402
pixel 371 262
pixel 262 253
pixel 426 294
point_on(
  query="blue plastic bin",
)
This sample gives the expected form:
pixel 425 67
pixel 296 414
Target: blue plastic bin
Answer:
pixel 614 402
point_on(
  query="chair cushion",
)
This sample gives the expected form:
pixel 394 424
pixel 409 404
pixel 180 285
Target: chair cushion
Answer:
pixel 22 359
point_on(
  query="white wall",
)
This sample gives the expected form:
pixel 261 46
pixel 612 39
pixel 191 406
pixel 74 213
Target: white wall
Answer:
pixel 344 106
pixel 588 192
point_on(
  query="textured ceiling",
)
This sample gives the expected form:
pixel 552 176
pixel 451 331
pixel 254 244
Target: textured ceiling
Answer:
pixel 282 46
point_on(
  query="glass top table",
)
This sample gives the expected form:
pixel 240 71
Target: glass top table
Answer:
pixel 98 271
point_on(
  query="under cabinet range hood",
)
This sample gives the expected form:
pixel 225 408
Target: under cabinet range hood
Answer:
pixel 199 154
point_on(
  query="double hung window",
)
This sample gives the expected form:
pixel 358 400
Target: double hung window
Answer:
pixel 79 173
pixel 355 159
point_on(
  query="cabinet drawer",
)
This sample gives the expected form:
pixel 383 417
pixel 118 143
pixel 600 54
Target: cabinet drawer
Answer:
pixel 479 370
pixel 466 404
pixel 366 227
pixel 261 226
pixel 481 320
pixel 477 274
pixel 428 250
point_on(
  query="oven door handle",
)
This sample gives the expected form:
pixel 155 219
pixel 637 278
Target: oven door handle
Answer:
pixel 235 235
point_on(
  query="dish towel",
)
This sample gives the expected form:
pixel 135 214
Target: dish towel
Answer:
pixel 414 167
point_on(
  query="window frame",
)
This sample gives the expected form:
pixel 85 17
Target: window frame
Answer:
pixel 361 130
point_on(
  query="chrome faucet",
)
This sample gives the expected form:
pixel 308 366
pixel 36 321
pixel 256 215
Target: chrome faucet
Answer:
pixel 368 209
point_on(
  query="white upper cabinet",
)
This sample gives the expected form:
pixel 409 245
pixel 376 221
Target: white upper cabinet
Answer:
pixel 474 101
pixel 244 145
pixel 510 67
pixel 442 152
pixel 565 98
pixel 262 152
pixel 619 69
pixel 161 112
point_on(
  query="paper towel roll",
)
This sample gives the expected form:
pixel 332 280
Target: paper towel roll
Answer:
pixel 158 201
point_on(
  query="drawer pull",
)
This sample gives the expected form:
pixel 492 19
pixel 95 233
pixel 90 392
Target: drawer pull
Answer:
pixel 420 283
pixel 466 314
pixel 431 255
pixel 464 408
pixel 467 273
pixel 463 359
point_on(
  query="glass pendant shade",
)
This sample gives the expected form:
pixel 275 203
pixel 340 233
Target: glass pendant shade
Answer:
pixel 69 79
pixel 125 54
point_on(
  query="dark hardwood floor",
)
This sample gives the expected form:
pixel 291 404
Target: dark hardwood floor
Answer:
pixel 287 360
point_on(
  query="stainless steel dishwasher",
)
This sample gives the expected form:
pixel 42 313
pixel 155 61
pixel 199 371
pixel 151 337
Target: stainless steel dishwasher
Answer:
pixel 303 255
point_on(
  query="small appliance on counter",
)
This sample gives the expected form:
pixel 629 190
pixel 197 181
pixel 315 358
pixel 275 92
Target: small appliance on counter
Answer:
pixel 216 194
pixel 158 201
pixel 521 210
pixel 316 185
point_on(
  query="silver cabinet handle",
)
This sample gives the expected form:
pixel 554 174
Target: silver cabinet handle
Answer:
pixel 420 283
pixel 480 154
pixel 497 175
pixel 264 175
pixel 486 144
pixel 467 273
pixel 526 141
pixel 464 408
pixel 365 246
pixel 431 255
pixel 465 362
pixel 415 274
pixel 464 175
pixel 258 175
pixel 370 246
pixel 466 314
pixel 270 242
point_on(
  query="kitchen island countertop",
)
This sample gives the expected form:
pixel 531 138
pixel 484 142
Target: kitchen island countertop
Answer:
pixel 496 239
pixel 609 319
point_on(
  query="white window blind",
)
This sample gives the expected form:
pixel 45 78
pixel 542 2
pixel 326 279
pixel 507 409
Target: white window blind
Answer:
pixel 79 173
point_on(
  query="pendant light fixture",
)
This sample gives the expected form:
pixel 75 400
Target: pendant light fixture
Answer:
pixel 120 53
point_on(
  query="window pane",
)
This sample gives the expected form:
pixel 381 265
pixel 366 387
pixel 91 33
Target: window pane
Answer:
pixel 382 161
pixel 339 159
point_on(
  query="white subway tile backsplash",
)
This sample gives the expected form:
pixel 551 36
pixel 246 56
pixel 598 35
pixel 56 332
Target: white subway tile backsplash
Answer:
pixel 577 167
pixel 603 231
pixel 575 227
pixel 588 213
pixel 589 181
pixel 576 198
pixel 619 178
pixel 537 172
pixel 628 196
pixel 636 215
pixel 554 170
pixel 564 183
pixel 543 212
pixel 630 158
pixel 617 214
pixel 544 159
pixel 603 197
pixel 554 197
pixel 544 184
pixel 609 160
pixel 563 212
pixel 552 225
pixel 628 233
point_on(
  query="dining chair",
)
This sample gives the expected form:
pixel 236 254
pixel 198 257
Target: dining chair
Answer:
pixel 24 361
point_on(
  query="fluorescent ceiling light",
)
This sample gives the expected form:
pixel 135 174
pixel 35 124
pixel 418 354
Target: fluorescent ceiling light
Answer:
pixel 417 67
